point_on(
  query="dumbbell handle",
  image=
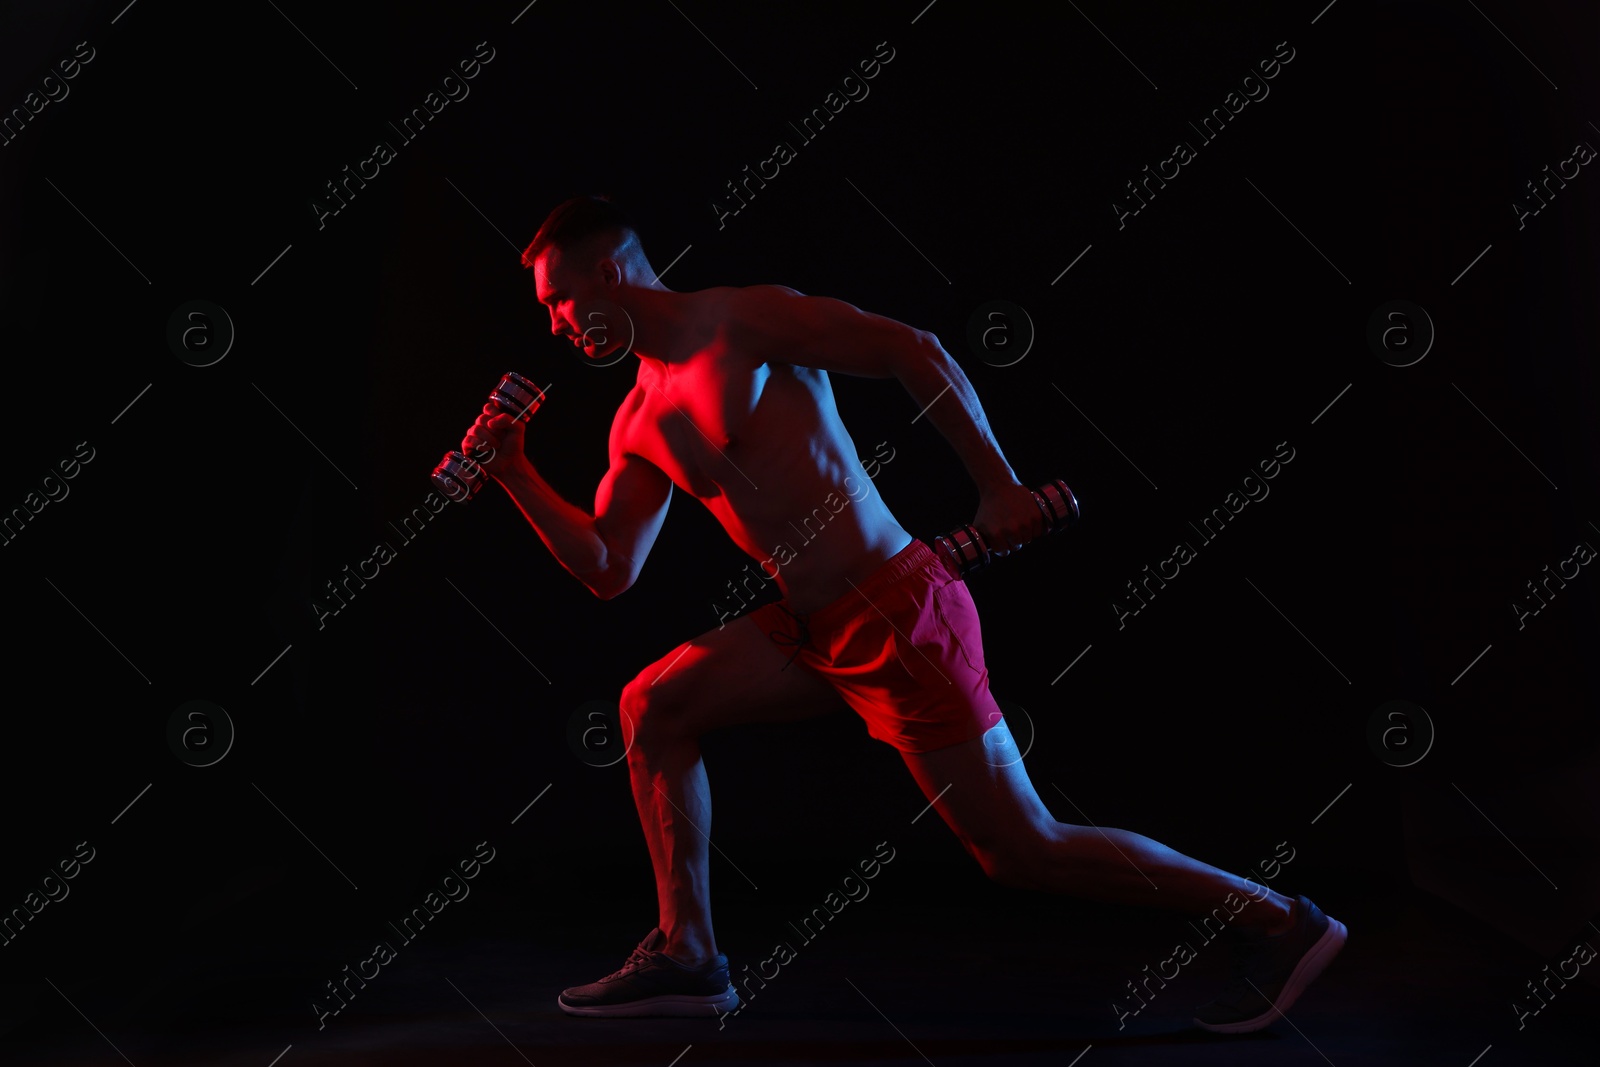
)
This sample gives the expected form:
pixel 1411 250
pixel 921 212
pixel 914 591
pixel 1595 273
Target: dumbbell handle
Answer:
pixel 965 550
pixel 459 476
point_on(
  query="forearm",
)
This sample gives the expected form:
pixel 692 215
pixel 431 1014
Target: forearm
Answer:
pixel 567 531
pixel 946 398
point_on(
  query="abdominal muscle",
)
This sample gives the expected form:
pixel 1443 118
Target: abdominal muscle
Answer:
pixel 779 472
pixel 821 539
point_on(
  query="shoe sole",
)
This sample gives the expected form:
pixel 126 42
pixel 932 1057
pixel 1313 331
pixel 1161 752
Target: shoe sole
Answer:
pixel 675 1004
pixel 1313 963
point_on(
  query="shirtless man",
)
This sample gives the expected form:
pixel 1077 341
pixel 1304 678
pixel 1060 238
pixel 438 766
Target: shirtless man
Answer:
pixel 732 405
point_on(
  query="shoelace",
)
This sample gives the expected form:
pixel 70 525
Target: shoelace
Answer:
pixel 636 959
pixel 782 638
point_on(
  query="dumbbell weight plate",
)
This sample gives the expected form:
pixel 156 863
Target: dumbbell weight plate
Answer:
pixel 458 477
pixel 517 396
pixel 1059 505
pixel 964 547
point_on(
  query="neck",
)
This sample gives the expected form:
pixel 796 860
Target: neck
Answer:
pixel 660 325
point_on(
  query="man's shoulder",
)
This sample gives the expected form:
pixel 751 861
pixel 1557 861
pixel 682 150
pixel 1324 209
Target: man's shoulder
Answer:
pixel 626 411
pixel 770 290
pixel 741 315
pixel 726 299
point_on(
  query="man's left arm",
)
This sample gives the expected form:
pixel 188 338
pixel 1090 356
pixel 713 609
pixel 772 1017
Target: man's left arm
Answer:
pixel 774 323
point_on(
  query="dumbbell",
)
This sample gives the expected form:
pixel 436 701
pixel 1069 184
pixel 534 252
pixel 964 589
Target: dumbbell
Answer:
pixel 459 476
pixel 964 549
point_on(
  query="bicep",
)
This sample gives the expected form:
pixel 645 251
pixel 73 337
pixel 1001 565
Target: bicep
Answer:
pixel 629 508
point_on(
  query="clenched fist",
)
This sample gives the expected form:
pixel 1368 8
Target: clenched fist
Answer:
pixel 494 441
pixel 1008 518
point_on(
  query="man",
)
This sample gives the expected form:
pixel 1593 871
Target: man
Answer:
pixel 732 405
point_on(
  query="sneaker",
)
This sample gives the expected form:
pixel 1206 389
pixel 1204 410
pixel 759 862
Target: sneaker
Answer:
pixel 653 983
pixel 1270 972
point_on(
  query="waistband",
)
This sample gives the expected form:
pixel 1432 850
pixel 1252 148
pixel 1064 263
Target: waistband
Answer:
pixel 909 560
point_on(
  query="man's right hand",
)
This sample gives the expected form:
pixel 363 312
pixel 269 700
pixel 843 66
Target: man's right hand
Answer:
pixel 498 437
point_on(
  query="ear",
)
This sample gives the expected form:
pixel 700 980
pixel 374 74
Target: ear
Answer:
pixel 610 273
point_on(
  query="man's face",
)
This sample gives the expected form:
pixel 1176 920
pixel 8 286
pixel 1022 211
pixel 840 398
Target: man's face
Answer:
pixel 577 301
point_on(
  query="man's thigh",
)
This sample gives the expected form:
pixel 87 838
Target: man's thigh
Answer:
pixel 733 674
pixel 982 790
pixel 907 654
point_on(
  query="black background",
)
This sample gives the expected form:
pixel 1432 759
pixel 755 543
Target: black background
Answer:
pixel 1197 336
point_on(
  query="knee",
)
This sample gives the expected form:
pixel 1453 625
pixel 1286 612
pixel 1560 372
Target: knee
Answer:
pixel 651 715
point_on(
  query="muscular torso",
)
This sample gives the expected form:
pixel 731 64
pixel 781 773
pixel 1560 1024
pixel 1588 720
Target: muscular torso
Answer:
pixel 761 445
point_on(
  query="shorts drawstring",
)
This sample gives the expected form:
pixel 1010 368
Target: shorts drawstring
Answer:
pixel 782 638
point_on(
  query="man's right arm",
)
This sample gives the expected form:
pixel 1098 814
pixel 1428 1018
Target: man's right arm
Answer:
pixel 605 550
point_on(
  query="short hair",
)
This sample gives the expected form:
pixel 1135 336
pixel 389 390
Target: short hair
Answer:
pixel 576 220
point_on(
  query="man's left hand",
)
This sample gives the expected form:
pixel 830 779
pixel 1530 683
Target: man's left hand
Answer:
pixel 1008 518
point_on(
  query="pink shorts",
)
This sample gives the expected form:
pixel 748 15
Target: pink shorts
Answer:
pixel 903 649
